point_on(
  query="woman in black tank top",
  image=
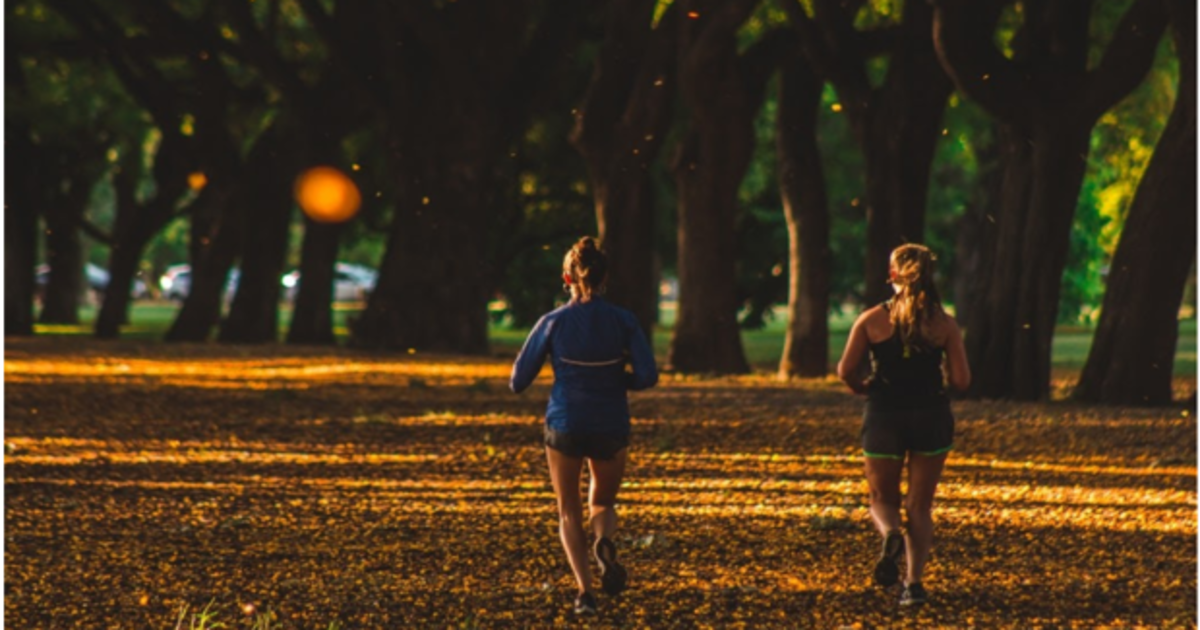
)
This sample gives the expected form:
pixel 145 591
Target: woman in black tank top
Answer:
pixel 914 348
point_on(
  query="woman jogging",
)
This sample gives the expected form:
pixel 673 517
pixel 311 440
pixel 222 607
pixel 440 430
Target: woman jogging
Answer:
pixel 907 411
pixel 589 342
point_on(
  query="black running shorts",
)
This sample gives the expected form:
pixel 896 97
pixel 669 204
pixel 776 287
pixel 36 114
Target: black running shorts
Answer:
pixel 604 446
pixel 893 433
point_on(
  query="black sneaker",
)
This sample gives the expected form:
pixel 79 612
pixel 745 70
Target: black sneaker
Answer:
pixel 612 574
pixel 887 570
pixel 913 595
pixel 585 604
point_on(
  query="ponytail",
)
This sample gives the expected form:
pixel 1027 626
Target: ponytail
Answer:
pixel 917 300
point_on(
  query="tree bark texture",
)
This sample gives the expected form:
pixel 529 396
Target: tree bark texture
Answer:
pixel 266 215
pixel 1047 101
pixel 67 193
pixel 1133 352
pixel 216 236
pixel 897 124
pixel 802 189
pixel 723 92
pixel 312 311
pixel 136 224
pixel 20 227
pixel 450 111
pixel 619 132
pixel 974 240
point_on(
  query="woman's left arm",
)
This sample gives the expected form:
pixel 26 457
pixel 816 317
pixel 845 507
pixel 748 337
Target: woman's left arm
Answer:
pixel 856 348
pixel 958 369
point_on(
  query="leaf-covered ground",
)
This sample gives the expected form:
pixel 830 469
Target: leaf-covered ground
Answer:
pixel 381 491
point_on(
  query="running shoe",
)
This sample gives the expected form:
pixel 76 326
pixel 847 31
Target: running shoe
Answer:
pixel 887 570
pixel 612 574
pixel 585 604
pixel 913 595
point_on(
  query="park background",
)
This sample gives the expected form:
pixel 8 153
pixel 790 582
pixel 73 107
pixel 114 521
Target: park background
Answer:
pixel 748 165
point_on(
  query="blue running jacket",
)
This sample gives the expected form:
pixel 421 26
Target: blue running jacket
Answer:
pixel 589 345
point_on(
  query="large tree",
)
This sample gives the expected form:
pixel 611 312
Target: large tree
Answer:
pixel 802 188
pixel 1133 353
pixel 20 207
pixel 723 92
pixel 448 113
pixel 896 124
pixel 619 130
pixel 1047 99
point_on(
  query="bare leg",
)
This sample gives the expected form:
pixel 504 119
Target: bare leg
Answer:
pixel 924 472
pixel 883 479
pixel 606 481
pixel 564 474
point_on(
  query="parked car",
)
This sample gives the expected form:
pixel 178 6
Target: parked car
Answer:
pixel 351 283
pixel 97 279
pixel 176 283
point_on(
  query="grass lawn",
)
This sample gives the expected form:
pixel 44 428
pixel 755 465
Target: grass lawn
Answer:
pixel 149 320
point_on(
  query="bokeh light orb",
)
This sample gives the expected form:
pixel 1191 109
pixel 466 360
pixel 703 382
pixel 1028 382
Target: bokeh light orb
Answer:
pixel 327 195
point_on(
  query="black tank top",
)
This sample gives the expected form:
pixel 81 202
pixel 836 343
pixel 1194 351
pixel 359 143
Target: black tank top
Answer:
pixel 905 377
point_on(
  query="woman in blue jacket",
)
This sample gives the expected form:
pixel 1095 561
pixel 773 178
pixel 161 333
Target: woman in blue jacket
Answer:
pixel 590 342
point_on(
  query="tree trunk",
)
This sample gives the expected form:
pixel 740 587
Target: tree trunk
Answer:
pixel 708 169
pixel 1048 100
pixel 432 290
pixel 723 92
pixel 802 189
pixel 266 215
pixel 988 332
pixel 897 125
pixel 972 243
pixel 123 261
pixel 20 228
pixel 64 251
pixel 625 221
pixel 215 241
pixel 1155 254
pixel 619 131
pixel 312 310
pixel 67 198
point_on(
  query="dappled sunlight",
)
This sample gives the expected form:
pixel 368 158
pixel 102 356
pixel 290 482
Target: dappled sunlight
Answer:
pixel 422 480
pixel 253 374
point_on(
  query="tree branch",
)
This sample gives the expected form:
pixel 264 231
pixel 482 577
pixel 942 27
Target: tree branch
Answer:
pixel 1128 56
pixel 92 230
pixel 345 53
pixel 963 38
pixel 142 80
pixel 263 54
pixel 627 31
pixel 820 58
pixel 848 68
pixel 648 110
pixel 875 42
pixel 556 32
pixel 758 63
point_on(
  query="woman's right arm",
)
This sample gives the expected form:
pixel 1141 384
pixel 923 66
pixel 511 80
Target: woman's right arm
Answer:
pixel 532 357
pixel 958 370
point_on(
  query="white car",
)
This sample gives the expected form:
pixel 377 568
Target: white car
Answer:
pixel 176 283
pixel 351 283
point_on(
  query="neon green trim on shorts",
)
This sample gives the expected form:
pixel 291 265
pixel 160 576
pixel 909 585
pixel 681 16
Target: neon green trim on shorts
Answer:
pixel 940 451
pixel 882 455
